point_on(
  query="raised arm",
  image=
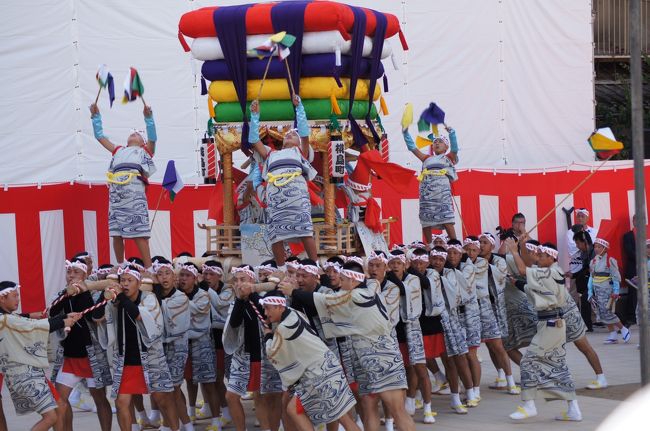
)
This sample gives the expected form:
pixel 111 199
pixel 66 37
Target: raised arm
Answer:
pixel 410 145
pixel 254 133
pixel 303 126
pixel 98 130
pixel 453 145
pixel 151 130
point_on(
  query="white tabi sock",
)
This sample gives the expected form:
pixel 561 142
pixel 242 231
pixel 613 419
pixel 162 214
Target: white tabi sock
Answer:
pixel 455 399
pixel 135 427
pixel 529 405
pixel 418 396
pixel 154 416
pixel 601 379
pixel 624 331
pixel 501 374
pixel 427 407
pixel 389 425
pixel 613 335
pixel 142 416
pixel 510 380
pixel 477 392
pixel 574 409
pixel 187 427
pixel 216 422
pixel 164 428
pixel 225 412
pixel 469 393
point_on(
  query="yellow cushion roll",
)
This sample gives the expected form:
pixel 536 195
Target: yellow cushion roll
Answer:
pixel 278 89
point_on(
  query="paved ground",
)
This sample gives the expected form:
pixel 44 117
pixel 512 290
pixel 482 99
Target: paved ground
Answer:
pixel 621 364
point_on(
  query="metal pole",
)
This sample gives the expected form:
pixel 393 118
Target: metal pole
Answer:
pixel 639 185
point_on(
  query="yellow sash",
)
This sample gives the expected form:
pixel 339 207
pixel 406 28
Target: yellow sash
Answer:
pixel 281 180
pixel 121 178
pixel 436 172
pixel 601 278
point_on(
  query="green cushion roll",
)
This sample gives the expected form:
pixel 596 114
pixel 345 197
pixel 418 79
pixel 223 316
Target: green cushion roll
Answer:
pixel 282 110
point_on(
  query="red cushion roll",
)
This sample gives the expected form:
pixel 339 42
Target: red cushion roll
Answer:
pixel 319 16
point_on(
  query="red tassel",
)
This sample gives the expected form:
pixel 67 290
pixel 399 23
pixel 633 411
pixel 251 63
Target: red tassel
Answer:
pixel 372 216
pixel 402 39
pixel 183 42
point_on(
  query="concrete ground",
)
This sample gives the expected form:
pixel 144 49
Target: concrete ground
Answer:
pixel 620 362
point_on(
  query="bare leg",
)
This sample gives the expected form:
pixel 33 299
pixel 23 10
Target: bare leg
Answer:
pixel 143 248
pixel 47 421
pixel 370 412
pixel 3 420
pixel 515 356
pixel 583 345
pixel 273 403
pixel 451 232
pixel 236 410
pixel 474 367
pixel 422 377
pixel 426 233
pixel 104 412
pixel 500 356
pixel 463 371
pixel 181 405
pixel 118 248
pixel 394 399
pixel 192 391
pixel 167 408
pixel 451 371
pixel 432 365
pixel 301 421
pixel 123 406
pixel 212 398
pixel 278 252
pixel 348 423
pixel 287 419
pixel 64 415
pixel 310 247
pixel 411 381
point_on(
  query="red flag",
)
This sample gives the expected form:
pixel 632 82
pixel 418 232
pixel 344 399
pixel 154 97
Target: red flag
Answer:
pixel 393 174
pixel 612 232
pixel 372 219
pixel 215 204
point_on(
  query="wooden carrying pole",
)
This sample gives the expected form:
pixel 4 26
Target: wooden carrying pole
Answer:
pixel 228 206
pixel 330 208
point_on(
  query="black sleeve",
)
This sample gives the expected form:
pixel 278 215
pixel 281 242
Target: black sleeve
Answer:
pixel 306 299
pixel 58 308
pixel 82 301
pixel 390 276
pixel 56 322
pixel 131 309
pixel 520 285
pixel 237 313
pixel 268 337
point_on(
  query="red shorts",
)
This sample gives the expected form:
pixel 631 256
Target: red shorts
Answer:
pixel 221 360
pixel 299 407
pixel 188 369
pixel 404 350
pixel 434 345
pixel 79 367
pixel 255 377
pixel 55 393
pixel 133 380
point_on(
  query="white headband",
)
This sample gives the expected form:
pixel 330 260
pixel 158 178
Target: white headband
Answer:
pixel 104 271
pixel 422 257
pixel 208 268
pixel 468 241
pixel 417 244
pixel 76 264
pixel 441 237
pixel 265 268
pixel 548 250
pixel 401 257
pixel 436 253
pixel 456 247
pixel 355 259
pixel 311 269
pixel 334 265
pixel 129 271
pixel 244 270
pixel 489 237
pixel 374 256
pixel 532 247
pixel 601 242
pixel 273 300
pixel 141 133
pixel 293 265
pixel 137 265
pixel 158 266
pixel 358 276
pixel 401 247
pixel 190 268
pixel 583 211
pixel 357 186
pixel 8 290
